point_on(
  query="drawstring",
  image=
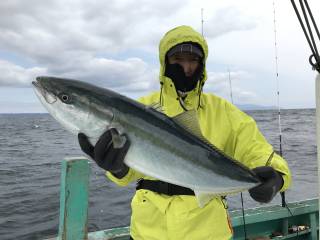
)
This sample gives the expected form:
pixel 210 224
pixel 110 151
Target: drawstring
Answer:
pixel 161 88
pixel 224 202
pixel 199 93
pixel 182 95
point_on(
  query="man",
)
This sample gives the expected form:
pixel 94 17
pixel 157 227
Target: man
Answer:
pixel 165 211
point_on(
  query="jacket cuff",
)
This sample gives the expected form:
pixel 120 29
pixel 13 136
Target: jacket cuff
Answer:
pixel 124 181
pixel 123 172
pixel 285 174
pixel 286 182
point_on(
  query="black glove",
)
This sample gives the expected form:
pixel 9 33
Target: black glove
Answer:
pixel 271 183
pixel 105 154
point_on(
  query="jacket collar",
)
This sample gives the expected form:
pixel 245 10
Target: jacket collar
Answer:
pixel 170 98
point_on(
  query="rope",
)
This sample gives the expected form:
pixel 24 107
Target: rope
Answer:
pixel 309 35
pixel 161 98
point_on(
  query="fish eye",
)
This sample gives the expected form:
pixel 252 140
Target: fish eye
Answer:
pixel 65 98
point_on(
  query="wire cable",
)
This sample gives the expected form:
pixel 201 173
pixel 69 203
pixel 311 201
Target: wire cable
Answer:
pixel 314 59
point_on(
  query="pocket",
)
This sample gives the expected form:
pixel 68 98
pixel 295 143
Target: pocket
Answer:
pixel 140 207
pixel 146 219
pixel 210 222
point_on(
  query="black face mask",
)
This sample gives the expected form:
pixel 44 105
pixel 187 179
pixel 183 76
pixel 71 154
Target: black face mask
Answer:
pixel 180 80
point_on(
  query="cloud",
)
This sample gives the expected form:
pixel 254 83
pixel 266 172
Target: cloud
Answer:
pixel 53 32
pixel 14 75
pixel 64 38
pixel 218 83
pixel 226 20
pixel 130 75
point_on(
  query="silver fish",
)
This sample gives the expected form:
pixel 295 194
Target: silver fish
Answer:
pixel 169 149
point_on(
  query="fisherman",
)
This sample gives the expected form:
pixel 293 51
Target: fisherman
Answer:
pixel 162 210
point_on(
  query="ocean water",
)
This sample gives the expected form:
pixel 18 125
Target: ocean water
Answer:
pixel 33 146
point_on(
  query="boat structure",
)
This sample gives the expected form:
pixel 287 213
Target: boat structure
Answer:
pixel 294 220
pixel 299 220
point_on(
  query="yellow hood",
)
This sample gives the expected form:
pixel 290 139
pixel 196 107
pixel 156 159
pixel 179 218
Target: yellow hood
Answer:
pixel 176 36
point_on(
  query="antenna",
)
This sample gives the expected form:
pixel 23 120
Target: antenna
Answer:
pixel 202 21
pixel 230 86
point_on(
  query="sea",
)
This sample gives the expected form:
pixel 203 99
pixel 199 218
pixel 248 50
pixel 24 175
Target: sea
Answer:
pixel 32 147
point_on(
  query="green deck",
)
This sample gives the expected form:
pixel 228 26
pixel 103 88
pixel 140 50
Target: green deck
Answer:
pixel 261 222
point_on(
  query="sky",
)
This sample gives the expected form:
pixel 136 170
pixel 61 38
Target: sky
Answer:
pixel 114 44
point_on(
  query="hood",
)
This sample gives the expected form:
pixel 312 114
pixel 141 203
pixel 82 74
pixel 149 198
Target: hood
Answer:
pixel 176 36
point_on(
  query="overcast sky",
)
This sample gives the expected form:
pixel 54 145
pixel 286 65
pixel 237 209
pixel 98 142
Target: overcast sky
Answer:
pixel 114 44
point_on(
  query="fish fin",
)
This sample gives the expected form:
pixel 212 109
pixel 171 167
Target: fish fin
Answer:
pixel 203 198
pixel 156 106
pixel 118 140
pixel 189 121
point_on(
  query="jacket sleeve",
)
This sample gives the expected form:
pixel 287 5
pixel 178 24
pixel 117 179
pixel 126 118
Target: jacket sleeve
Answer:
pixel 133 175
pixel 251 148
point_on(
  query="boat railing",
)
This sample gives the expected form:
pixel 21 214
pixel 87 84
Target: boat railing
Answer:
pixel 261 222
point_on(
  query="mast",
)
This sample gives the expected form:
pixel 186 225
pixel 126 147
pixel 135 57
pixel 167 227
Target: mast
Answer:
pixel 202 21
pixel 231 97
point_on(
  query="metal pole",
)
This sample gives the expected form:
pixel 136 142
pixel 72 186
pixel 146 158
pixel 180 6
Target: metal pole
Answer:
pixel 318 123
pixel 230 87
pixel 202 21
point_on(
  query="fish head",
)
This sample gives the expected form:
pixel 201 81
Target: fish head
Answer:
pixel 75 104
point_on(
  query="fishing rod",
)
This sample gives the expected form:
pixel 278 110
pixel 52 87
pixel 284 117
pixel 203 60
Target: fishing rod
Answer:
pixel 314 59
pixel 241 195
pixel 282 194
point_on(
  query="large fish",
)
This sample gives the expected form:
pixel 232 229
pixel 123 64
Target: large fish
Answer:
pixel 169 149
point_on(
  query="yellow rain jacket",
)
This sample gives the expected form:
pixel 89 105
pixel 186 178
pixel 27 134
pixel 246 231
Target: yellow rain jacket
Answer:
pixel 158 216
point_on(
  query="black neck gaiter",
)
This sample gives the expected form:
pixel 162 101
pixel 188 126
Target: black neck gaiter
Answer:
pixel 181 81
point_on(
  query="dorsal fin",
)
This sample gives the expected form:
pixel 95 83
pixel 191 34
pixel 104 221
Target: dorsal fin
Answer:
pixel 189 121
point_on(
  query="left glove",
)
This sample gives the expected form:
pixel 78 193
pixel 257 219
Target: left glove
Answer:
pixel 271 183
pixel 105 154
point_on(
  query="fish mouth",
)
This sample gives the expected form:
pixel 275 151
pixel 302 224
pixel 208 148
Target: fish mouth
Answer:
pixel 37 85
pixel 42 92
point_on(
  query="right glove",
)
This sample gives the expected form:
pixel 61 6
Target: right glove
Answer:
pixel 271 183
pixel 105 154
